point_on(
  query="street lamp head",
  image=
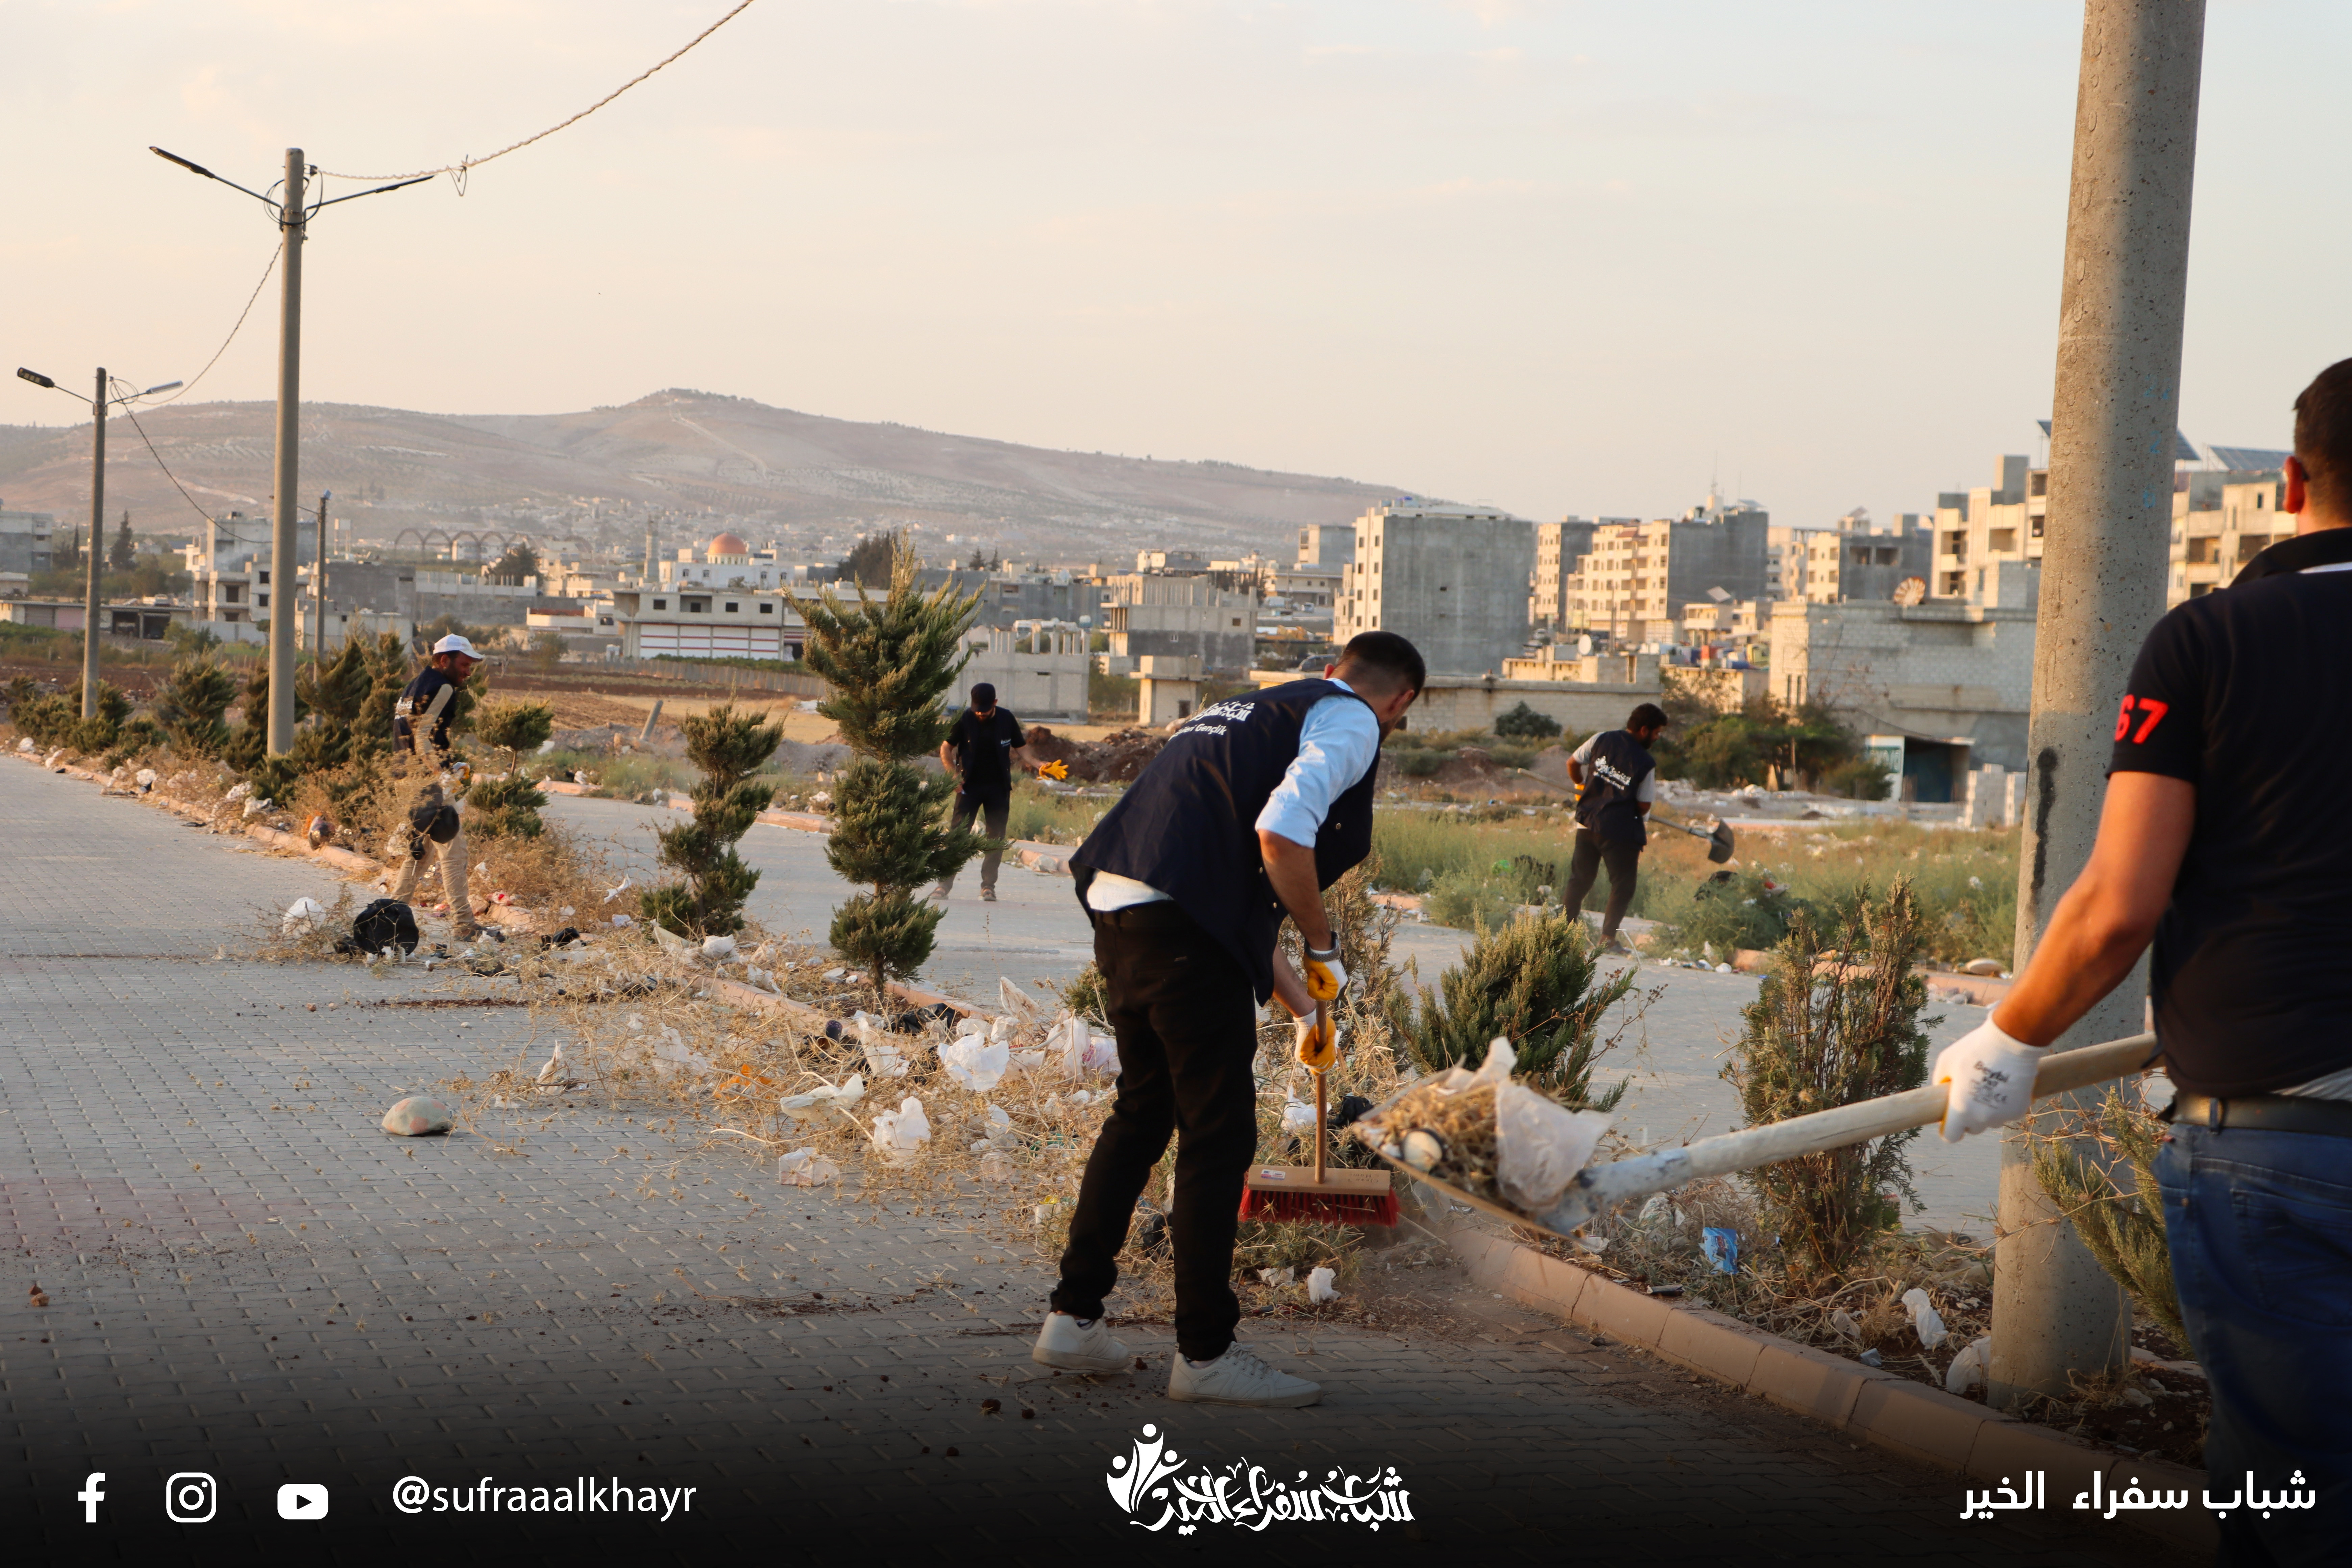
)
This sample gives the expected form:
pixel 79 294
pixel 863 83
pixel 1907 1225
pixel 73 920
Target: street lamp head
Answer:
pixel 175 158
pixel 34 376
pixel 166 387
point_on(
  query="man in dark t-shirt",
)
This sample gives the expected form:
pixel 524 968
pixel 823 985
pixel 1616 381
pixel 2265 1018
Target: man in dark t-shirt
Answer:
pixel 983 748
pixel 2222 839
pixel 1616 779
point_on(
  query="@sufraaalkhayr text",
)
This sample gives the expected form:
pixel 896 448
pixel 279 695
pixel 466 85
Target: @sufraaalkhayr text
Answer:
pixel 585 1494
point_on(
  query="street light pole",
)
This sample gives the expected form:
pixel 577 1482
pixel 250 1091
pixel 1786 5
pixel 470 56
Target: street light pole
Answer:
pixel 97 529
pixel 285 563
pixel 2113 419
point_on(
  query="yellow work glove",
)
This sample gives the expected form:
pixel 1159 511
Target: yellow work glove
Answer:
pixel 1325 975
pixel 1318 1044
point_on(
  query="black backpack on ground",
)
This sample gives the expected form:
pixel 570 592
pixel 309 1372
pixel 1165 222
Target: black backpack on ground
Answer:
pixel 383 923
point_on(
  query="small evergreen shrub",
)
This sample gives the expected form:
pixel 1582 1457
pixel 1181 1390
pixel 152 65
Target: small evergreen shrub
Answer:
pixel 1535 981
pixel 1524 724
pixel 729 748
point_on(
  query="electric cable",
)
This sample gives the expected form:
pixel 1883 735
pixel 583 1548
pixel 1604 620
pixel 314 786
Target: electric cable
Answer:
pixel 233 332
pixel 460 168
pixel 133 415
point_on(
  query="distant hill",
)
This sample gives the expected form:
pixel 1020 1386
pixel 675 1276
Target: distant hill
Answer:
pixel 679 451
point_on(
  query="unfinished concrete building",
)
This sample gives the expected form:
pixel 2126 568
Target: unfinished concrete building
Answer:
pixel 1634 580
pixel 1149 613
pixel 1558 546
pixel 1454 580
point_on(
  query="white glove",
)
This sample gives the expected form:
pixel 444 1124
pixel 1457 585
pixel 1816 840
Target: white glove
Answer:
pixel 1991 1076
pixel 1325 975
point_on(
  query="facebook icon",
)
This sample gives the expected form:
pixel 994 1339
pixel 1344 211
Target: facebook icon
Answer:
pixel 90 1496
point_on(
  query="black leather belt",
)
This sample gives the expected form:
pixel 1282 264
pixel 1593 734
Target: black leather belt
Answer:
pixel 2263 1113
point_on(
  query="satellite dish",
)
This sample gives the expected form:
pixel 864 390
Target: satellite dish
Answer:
pixel 1718 595
pixel 1911 590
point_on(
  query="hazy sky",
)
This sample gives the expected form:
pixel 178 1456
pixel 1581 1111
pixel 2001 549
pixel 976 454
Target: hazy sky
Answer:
pixel 1560 257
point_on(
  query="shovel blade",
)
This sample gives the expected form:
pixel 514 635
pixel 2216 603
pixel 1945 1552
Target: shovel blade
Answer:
pixel 1718 844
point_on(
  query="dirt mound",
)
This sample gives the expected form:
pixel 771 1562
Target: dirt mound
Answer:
pixel 1116 758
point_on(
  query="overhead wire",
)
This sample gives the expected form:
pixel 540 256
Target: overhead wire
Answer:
pixel 133 414
pixel 233 332
pixel 463 164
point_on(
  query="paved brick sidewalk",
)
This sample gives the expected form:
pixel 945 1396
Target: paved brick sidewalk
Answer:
pixel 247 1278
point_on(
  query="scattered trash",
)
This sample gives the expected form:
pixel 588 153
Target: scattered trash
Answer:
pixel 1871 1358
pixel 418 1116
pixel 145 778
pixel 819 1103
pixel 300 912
pixel 997 1167
pixel 1592 1244
pixel 1844 1323
pixel 239 792
pixel 614 892
pixel 563 938
pixel 320 832
pixel 551 1070
pixel 976 1065
pixel 383 924
pixel 1048 1210
pixel 1277 1278
pixel 1721 1248
pixel 807 1168
pixel 1970 1367
pixel 25 744
pixel 719 949
pixel 1298 1116
pixel 1989 967
pixel 899 1135
pixel 1319 1287
pixel 256 808
pixel 1924 1317
pixel 623 921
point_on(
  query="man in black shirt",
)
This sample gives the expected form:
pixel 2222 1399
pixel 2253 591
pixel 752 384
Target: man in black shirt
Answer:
pixel 2222 839
pixel 982 751
pixel 420 729
pixel 1616 779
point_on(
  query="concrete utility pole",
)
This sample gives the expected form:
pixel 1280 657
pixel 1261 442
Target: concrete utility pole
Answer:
pixel 96 554
pixel 285 558
pixel 2112 420
pixel 319 582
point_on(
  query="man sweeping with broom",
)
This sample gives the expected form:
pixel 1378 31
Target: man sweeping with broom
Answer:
pixel 1253 807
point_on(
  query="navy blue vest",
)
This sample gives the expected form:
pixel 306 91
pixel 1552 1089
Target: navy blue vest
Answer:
pixel 1188 825
pixel 1606 803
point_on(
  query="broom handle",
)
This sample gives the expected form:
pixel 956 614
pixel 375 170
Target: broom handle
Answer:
pixel 1318 1123
pixel 1598 1187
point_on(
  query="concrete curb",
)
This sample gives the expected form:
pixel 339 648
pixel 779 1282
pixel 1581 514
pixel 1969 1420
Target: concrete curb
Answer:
pixel 1922 1424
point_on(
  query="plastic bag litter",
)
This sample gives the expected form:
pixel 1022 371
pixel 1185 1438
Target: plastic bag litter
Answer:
pixel 145 778
pixel 1846 1323
pixel 1721 1248
pixel 1003 1028
pixel 1539 1144
pixel 623 921
pixel 670 942
pixel 1968 1368
pixel 899 1135
pixel 300 912
pixel 1277 1278
pixel 256 808
pixel 239 792
pixel 672 1054
pixel 996 1165
pixel 1297 1116
pixel 719 949
pixel 25 744
pixel 969 1025
pixel 1319 1287
pixel 975 1064
pixel 1018 1003
pixel 807 1168
pixel 819 1103
pixel 1925 1318
pixel 1072 1048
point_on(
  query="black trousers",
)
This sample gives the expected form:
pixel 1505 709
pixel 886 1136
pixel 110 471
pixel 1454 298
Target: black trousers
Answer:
pixel 1623 858
pixel 991 813
pixel 1186 1019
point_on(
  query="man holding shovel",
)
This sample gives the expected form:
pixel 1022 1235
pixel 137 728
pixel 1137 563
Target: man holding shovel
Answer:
pixel 1253 807
pixel 2223 840
pixel 1616 782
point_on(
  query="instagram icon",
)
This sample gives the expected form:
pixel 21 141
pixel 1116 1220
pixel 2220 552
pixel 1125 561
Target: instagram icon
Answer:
pixel 190 1497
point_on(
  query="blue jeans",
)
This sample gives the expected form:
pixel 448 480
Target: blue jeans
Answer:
pixel 2261 1231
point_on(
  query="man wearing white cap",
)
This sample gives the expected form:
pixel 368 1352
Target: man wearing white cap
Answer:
pixel 420 728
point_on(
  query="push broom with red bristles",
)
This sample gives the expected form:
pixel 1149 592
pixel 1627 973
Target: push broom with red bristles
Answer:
pixel 1315 1194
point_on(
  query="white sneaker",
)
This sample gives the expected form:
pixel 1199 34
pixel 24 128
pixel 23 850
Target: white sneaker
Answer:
pixel 1093 1347
pixel 1238 1377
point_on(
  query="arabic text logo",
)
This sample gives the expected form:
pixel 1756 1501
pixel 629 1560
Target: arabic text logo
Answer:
pixel 1245 1494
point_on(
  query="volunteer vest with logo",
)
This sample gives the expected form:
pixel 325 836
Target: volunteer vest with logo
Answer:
pixel 1606 804
pixel 1188 825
